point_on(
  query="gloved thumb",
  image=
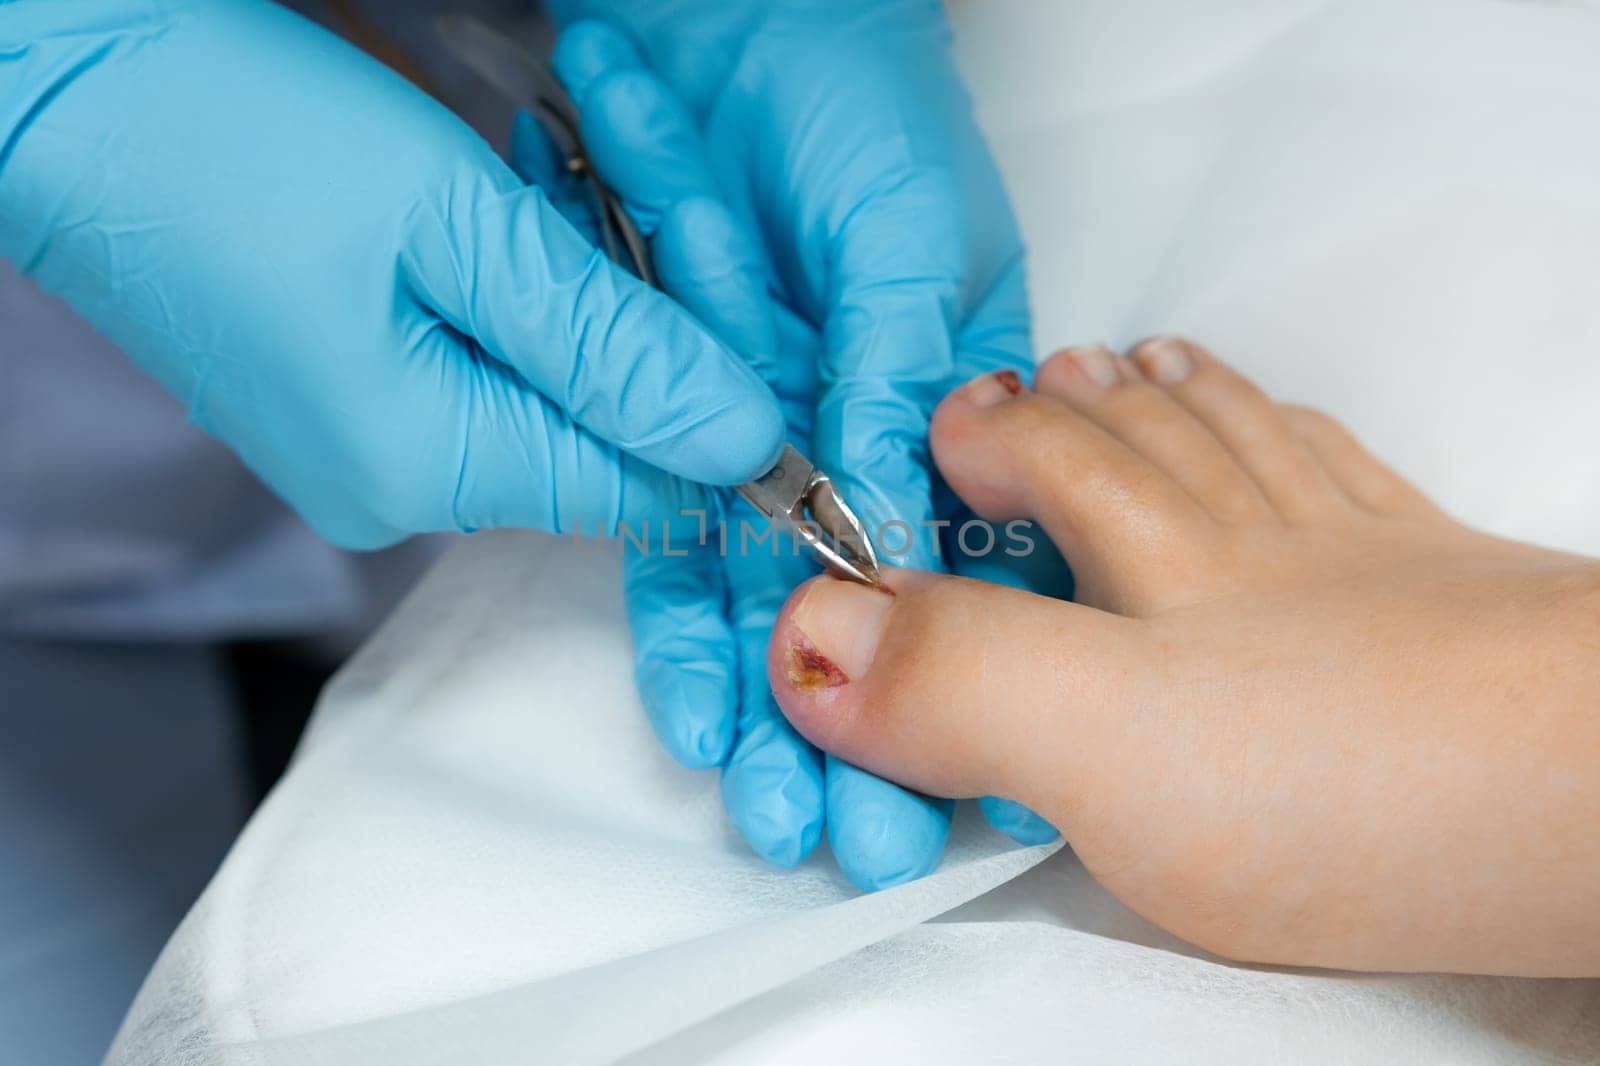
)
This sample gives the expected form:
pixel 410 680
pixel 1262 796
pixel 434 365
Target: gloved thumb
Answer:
pixel 948 686
pixel 624 361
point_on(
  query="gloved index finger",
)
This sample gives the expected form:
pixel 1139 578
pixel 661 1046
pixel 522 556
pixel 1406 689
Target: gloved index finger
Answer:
pixel 501 265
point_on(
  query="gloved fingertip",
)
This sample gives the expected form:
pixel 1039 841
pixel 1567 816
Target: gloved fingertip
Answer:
pixel 783 845
pixel 641 138
pixel 879 851
pixel 631 101
pixel 881 834
pixel 1017 822
pixel 585 50
pixel 691 710
pixel 699 235
pixel 736 443
pixel 773 791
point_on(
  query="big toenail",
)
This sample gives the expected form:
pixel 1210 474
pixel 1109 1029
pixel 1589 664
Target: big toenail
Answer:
pixel 1164 360
pixel 987 390
pixel 1098 363
pixel 839 623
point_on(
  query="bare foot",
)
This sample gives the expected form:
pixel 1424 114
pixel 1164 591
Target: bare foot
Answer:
pixel 1299 716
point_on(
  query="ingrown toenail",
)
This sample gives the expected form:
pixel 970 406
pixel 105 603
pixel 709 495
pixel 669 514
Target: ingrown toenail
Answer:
pixel 995 387
pixel 839 623
pixel 1164 360
pixel 1098 363
pixel 809 670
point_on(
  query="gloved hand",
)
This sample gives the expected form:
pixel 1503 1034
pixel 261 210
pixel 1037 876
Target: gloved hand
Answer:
pixel 844 141
pixel 346 284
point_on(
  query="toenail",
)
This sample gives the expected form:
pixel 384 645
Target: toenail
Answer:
pixel 986 390
pixel 1164 360
pixel 1098 363
pixel 839 623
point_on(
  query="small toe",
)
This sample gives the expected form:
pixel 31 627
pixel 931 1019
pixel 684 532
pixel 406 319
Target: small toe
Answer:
pixel 1127 529
pixel 1363 477
pixel 1111 393
pixel 1252 428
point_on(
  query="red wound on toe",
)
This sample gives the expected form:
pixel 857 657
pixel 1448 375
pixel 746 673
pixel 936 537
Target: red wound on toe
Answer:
pixel 1010 381
pixel 809 670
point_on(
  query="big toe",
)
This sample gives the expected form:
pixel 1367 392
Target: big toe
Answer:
pixel 950 687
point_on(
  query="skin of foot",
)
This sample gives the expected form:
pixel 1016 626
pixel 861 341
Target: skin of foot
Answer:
pixel 1298 715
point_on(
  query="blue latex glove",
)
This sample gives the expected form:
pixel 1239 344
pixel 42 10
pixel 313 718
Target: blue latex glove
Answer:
pixel 346 284
pixel 844 142
pixel 701 619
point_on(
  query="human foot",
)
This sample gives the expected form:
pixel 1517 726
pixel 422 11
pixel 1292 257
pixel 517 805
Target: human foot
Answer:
pixel 1299 715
